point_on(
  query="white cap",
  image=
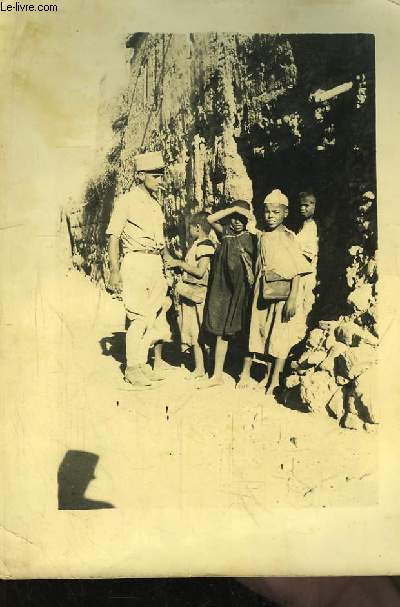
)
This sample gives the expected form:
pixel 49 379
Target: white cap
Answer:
pixel 276 197
pixel 150 161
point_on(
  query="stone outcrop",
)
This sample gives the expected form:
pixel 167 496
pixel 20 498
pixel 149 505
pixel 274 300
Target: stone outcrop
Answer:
pixel 336 371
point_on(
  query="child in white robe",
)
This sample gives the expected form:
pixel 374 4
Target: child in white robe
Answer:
pixel 307 237
pixel 277 325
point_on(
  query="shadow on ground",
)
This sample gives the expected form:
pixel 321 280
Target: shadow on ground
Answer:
pixel 75 473
pixel 114 345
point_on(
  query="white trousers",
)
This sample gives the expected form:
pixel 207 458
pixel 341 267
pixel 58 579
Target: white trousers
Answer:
pixel 144 296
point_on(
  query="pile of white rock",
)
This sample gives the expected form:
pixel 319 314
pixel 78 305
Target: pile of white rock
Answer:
pixel 337 373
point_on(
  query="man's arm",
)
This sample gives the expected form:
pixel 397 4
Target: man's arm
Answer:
pixel 115 282
pixel 114 231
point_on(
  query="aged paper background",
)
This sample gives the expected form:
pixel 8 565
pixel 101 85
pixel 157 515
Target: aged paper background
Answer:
pixel 53 69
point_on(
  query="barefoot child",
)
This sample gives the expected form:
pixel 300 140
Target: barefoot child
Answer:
pixel 230 285
pixel 192 289
pixel 277 318
pixel 307 237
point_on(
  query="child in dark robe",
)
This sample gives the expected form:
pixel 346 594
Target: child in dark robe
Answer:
pixel 228 302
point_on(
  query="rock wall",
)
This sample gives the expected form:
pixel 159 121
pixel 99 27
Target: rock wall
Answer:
pixel 187 96
pixel 236 115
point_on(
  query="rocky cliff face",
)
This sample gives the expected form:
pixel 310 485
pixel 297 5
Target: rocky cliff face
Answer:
pixel 236 115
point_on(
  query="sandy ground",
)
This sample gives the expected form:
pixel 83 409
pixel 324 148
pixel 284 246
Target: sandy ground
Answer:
pixel 175 445
pixel 187 471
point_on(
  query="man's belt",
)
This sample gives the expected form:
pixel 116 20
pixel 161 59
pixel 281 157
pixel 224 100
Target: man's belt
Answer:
pixel 146 251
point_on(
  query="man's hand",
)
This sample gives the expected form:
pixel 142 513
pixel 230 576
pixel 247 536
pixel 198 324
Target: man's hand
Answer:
pixel 115 282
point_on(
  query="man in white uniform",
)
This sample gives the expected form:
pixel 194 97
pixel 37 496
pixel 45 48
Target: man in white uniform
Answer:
pixel 137 220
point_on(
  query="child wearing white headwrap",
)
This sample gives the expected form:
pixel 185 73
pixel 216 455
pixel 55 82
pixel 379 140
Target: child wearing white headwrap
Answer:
pixel 276 326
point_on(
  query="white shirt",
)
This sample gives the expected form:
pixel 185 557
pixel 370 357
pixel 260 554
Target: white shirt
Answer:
pixel 307 238
pixel 138 219
pixel 200 248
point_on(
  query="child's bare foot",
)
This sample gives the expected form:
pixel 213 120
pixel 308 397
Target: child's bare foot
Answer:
pixel 196 376
pixel 151 374
pixel 244 382
pixel 161 366
pixel 260 386
pixel 271 389
pixel 212 382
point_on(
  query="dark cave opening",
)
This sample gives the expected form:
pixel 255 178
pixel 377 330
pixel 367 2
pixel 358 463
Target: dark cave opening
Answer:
pixel 339 170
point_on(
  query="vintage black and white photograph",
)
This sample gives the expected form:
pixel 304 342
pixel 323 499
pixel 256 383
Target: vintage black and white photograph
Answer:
pixel 227 256
pixel 199 313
